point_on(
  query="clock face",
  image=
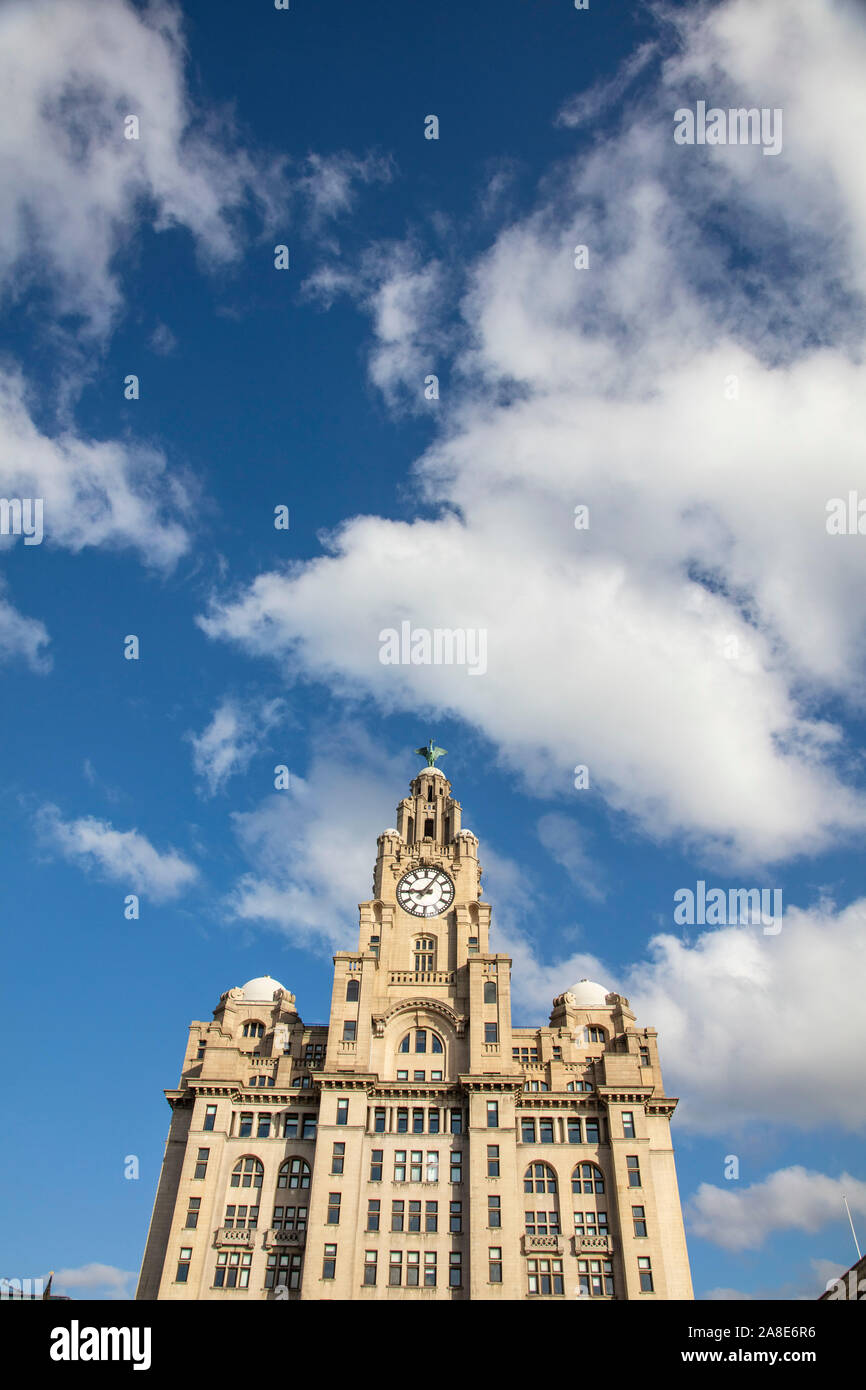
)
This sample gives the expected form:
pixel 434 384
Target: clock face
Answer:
pixel 425 892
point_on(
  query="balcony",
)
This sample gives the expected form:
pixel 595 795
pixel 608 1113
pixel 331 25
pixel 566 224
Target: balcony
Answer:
pixel 421 977
pixel 233 1237
pixel 281 1239
pixel 545 1245
pixel 592 1245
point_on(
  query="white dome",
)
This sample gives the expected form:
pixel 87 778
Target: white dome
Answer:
pixel 261 989
pixel 588 994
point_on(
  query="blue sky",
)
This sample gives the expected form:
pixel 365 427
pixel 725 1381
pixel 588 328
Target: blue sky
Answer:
pixel 699 647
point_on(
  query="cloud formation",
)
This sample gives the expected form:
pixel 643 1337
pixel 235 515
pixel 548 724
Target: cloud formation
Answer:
pixel 125 856
pixel 701 389
pixel 791 1199
pixel 232 738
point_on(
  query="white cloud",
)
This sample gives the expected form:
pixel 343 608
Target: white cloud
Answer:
pixel 682 646
pixel 749 1024
pixel 126 856
pixel 330 183
pixel 112 1282
pixel 791 1199
pixel 22 637
pixel 94 492
pixel 230 741
pixel 312 846
pixel 71 71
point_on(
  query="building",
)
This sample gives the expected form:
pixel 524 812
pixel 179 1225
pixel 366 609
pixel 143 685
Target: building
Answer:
pixel 850 1286
pixel 418 1146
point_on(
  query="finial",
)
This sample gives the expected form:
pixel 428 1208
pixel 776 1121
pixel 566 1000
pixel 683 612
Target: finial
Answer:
pixel 431 753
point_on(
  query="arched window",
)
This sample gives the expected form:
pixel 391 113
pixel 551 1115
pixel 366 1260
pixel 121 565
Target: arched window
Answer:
pixel 254 1029
pixel 540 1181
pixel 421 1040
pixel 425 953
pixel 594 1034
pixel 587 1178
pixel 578 1086
pixel 247 1172
pixel 539 1177
pixel 490 991
pixel 295 1172
pixel 353 991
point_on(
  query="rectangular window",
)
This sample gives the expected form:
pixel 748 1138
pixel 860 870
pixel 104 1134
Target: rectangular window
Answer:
pixel 246 1124
pixel 527 1131
pixel 308 1130
pixel 373 1210
pixel 433 1121
pixel 628 1124
pixel 342 1112
pixel 370 1262
pixel 590 1223
pixel 192 1213
pixel 633 1167
pixel 432 1170
pixel 379 1120
pixel 263 1129
pixel 455 1269
pixel 201 1164
pixel 349 1028
pixel 494 1212
pixel 638 1216
pixel 490 1033
pixel 333 1217
pixel 644 1057
pixel 456 1121
pixel 557 1054
pixel 416 1166
pixel 646 1275
pixel 376 1165
pixel 329 1263
pixel 395 1268
pixel 493 1160
pixel 595 1278
pixel 418 1075
pixel 283 1271
pixel 429 1269
pixel 421 1040
pixel 542 1223
pixel 397 1217
pixel 473 945
pixel 402 1076
pixel 431 1216
pixel 183 1265
pixel 374 946
pixel 400 1165
pixel 455 1218
pixel 493 1114
pixel 233 1270
pixel 545 1276
pixel 435 1076
pixel 545 1131
pixel 592 1134
pixel 456 1166
pixel 573 1123
pixel 290 1219
pixel 413 1266
pixel 338 1158
pixel 291 1130
pixel 210 1116
pixel 417 1121
pixel 494 1264
pixel 414 1217
pixel 402 1121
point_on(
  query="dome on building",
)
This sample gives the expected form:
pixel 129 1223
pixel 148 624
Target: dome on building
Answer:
pixel 588 994
pixel 261 989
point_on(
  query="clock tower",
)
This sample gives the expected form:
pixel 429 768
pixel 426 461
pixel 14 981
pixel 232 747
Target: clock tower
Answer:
pixel 419 1146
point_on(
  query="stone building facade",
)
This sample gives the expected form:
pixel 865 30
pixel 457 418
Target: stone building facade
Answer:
pixel 419 1146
